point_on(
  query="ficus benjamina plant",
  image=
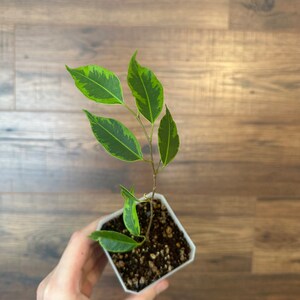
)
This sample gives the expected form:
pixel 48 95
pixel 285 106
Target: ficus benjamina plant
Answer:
pixel 103 86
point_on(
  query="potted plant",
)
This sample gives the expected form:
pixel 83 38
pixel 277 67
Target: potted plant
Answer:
pixel 144 241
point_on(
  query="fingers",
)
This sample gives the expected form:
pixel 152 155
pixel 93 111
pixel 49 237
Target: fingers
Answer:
pixel 76 255
pixel 93 276
pixel 152 292
pixel 74 258
pixel 42 286
pixel 81 265
pixel 95 252
pixel 97 269
pixel 82 259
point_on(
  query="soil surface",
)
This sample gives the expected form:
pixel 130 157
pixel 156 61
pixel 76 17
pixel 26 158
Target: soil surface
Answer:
pixel 166 250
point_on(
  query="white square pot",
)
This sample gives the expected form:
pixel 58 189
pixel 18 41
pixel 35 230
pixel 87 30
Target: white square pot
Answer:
pixel 175 219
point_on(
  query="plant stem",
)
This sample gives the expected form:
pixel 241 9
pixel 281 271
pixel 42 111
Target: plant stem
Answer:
pixel 158 169
pixel 154 173
pixel 151 161
pixel 138 118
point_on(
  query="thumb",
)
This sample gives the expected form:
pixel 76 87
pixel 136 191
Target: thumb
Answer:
pixel 152 292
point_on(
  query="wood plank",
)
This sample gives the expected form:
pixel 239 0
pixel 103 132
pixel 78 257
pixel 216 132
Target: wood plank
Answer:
pixel 82 43
pixel 177 13
pixel 230 286
pixel 278 207
pixel 238 287
pixel 7 67
pixel 277 246
pixel 233 231
pixel 235 97
pixel 230 73
pixel 225 242
pixel 47 221
pixel 277 236
pixel 226 263
pixel 56 152
pixel 264 15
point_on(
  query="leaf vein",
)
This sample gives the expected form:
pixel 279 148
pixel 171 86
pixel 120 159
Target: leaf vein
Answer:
pixel 84 76
pixel 116 139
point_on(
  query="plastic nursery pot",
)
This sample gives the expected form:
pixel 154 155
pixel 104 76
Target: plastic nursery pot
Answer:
pixel 160 264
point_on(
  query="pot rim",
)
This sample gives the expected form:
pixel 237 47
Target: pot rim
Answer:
pixel 177 222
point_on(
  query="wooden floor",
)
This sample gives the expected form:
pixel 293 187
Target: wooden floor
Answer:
pixel 231 72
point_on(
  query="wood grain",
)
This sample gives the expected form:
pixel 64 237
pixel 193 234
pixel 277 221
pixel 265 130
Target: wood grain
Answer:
pixel 7 67
pixel 231 76
pixel 47 221
pixel 57 152
pixel 215 72
pixel 265 15
pixel 277 232
pixel 238 286
pixel 278 207
pixel 176 13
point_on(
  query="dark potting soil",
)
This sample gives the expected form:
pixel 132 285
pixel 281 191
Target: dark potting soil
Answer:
pixel 166 249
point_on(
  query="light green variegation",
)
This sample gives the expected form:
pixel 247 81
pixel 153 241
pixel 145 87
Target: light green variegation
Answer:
pixel 98 84
pixel 116 138
pixel 130 216
pixel 114 241
pixel 146 89
pixel 168 139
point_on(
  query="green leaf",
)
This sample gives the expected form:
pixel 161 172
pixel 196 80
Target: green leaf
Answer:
pixel 116 139
pixel 130 216
pixel 168 139
pixel 98 84
pixel 132 190
pixel 114 241
pixel 146 89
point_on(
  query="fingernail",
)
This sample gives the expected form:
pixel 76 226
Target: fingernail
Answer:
pixel 162 286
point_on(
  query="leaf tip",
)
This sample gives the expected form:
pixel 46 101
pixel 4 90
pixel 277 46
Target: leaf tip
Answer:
pixel 68 68
pixel 133 60
pixel 88 114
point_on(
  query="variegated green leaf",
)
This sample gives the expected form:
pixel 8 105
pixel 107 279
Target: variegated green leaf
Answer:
pixel 98 84
pixel 168 139
pixel 132 190
pixel 116 138
pixel 114 241
pixel 146 89
pixel 130 216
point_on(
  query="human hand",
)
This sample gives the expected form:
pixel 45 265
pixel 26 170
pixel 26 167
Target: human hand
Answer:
pixel 78 270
